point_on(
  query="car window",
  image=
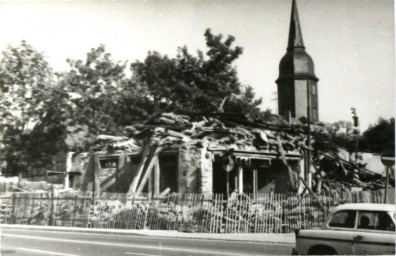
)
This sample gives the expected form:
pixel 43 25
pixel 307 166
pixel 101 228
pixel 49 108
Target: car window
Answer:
pixel 386 222
pixel 375 221
pixel 367 220
pixel 343 219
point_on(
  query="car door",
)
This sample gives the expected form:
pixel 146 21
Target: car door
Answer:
pixel 375 233
pixel 340 230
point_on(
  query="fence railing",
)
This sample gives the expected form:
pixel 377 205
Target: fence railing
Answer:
pixel 213 213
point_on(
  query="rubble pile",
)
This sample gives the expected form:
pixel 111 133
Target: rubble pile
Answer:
pixel 170 128
pixel 184 212
pixel 223 132
pixel 334 175
pixel 17 184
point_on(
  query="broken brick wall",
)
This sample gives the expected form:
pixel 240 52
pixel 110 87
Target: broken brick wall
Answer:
pixel 195 169
pixel 79 165
pixel 118 179
pixel 206 166
pixel 121 177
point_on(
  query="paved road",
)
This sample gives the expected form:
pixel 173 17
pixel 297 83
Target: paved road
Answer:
pixel 65 243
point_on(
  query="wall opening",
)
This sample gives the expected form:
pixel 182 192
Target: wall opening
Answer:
pixel 220 177
pixel 273 178
pixel 168 172
pixel 248 180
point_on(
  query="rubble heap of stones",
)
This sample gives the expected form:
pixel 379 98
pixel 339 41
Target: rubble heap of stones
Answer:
pixel 226 132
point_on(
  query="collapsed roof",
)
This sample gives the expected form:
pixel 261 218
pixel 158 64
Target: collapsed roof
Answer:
pixel 227 134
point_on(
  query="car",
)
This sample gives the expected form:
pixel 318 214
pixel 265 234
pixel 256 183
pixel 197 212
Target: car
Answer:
pixel 359 229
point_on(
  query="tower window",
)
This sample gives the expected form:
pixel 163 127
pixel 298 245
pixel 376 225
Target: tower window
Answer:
pixel 315 114
pixel 313 89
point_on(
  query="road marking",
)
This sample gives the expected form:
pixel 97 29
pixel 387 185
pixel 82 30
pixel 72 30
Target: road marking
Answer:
pixel 206 239
pixel 123 245
pixel 47 252
pixel 142 254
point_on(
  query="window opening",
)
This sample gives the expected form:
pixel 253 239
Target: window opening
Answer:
pixel 108 163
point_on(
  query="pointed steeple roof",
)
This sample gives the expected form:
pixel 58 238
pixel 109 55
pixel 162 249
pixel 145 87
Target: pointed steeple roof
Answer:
pixel 295 35
pixel 296 63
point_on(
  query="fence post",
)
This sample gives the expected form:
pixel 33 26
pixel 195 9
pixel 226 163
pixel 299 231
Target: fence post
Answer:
pixel 52 208
pixel 13 219
pixel 53 196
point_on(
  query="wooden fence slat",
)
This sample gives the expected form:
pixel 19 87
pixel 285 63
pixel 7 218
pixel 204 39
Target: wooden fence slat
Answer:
pixel 264 213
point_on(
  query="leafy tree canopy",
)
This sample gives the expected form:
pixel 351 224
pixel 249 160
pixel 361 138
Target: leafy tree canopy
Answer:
pixel 25 82
pixel 340 134
pixel 197 83
pixel 379 136
pixel 39 109
pixel 29 125
pixel 93 88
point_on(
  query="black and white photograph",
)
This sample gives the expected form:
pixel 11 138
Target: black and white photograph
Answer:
pixel 197 127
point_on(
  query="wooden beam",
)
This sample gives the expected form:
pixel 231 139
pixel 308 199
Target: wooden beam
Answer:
pixel 261 155
pixel 235 183
pixel 156 178
pixel 305 184
pixel 319 186
pixel 240 178
pixel 282 154
pixel 132 188
pixel 145 178
pixel 148 169
pixel 96 173
pixel 150 183
pixel 255 183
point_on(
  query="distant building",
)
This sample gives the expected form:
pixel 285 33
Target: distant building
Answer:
pixel 297 82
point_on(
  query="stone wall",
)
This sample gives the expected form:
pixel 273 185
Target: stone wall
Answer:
pixel 98 179
pixel 195 169
pixel 206 168
pixel 188 169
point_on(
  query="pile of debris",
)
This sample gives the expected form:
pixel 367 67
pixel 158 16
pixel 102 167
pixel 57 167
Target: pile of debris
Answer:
pixel 226 132
pixel 170 129
pixel 334 175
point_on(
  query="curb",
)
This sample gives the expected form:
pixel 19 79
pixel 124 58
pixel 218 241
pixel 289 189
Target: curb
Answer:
pixel 169 234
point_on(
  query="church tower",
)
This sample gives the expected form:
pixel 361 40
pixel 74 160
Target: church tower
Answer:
pixel 297 83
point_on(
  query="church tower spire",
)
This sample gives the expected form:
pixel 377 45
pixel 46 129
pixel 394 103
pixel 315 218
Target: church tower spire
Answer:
pixel 297 83
pixel 295 35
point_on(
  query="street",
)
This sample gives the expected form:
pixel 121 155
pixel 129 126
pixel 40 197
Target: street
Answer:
pixel 65 243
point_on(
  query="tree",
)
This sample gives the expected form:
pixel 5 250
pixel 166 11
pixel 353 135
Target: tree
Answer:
pixel 93 89
pixel 340 134
pixel 379 136
pixel 344 135
pixel 203 83
pixel 27 90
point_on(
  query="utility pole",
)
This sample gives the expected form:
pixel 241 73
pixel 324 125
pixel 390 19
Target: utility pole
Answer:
pixel 308 175
pixel 387 159
pixel 275 95
pixel 356 132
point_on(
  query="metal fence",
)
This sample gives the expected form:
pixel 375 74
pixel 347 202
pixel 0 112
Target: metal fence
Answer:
pixel 212 213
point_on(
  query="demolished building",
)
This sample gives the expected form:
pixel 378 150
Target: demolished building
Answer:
pixel 211 154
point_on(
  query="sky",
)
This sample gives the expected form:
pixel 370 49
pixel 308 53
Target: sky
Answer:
pixel 352 42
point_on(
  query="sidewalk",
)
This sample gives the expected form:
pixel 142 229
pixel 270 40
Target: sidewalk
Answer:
pixel 288 238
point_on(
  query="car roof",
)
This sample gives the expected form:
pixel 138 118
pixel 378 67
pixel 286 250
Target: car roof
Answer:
pixel 367 207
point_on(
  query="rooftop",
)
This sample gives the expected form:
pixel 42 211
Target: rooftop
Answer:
pixel 367 207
